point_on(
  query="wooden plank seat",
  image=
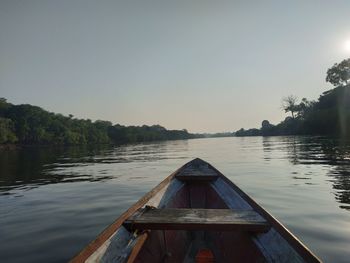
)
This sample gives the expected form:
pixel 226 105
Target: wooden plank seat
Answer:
pixel 201 173
pixel 197 219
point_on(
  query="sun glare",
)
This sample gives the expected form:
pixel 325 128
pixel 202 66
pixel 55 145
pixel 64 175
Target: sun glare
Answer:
pixel 347 45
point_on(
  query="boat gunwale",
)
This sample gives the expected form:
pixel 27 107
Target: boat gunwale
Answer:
pixel 89 249
pixel 294 241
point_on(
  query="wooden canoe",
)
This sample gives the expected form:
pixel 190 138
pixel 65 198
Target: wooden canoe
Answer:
pixel 196 211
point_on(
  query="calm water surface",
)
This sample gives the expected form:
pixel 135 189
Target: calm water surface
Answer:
pixel 54 201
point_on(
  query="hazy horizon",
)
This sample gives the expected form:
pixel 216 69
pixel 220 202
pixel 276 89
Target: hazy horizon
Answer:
pixel 204 67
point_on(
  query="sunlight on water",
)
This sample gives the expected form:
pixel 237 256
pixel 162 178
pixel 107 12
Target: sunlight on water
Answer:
pixel 65 197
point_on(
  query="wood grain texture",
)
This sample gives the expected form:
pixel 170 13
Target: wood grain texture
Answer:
pixel 278 244
pixel 137 247
pixel 153 250
pixel 197 171
pixel 198 219
pixel 232 199
pixel 115 249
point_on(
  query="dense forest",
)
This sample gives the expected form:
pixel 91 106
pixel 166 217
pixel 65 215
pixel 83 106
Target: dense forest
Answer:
pixel 28 125
pixel 329 115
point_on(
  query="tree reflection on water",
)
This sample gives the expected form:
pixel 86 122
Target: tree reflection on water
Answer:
pixel 331 152
pixel 30 167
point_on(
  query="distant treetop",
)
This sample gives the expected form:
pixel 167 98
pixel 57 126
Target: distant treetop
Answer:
pixel 339 74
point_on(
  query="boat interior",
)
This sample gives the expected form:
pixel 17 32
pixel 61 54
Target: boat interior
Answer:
pixel 186 245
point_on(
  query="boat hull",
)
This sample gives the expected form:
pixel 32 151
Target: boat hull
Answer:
pixel 196 186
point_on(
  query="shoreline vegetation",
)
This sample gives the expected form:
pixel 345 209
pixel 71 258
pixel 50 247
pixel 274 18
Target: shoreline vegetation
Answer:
pixel 26 125
pixel 329 115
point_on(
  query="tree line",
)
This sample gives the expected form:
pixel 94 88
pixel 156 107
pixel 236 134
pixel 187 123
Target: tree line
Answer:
pixel 28 125
pixel 329 115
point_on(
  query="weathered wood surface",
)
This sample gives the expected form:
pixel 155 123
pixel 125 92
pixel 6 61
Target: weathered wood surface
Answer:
pixel 197 171
pixel 231 198
pixel 198 219
pixel 116 249
pixel 278 244
pixel 137 247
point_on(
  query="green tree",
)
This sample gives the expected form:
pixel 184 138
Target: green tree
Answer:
pixel 339 74
pixel 305 107
pixel 7 134
pixel 289 104
pixel 4 105
pixel 29 124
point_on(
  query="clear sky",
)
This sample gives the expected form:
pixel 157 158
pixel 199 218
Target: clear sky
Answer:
pixel 207 66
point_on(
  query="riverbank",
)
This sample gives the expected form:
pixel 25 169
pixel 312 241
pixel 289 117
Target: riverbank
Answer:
pixel 329 115
pixel 26 124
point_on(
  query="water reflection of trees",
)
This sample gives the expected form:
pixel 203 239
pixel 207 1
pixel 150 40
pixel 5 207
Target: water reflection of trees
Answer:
pixel 31 167
pixel 27 167
pixel 341 183
pixel 320 151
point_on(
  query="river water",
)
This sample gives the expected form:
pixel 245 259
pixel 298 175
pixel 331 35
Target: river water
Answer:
pixel 53 201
